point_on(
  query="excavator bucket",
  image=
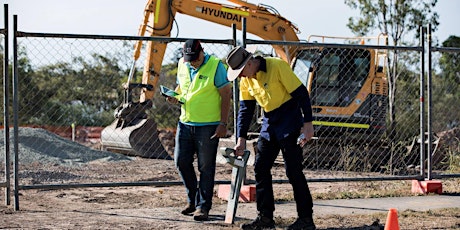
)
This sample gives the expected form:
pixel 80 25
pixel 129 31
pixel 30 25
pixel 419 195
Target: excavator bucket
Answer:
pixel 140 139
pixel 132 132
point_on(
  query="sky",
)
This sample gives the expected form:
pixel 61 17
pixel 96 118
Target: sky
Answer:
pixel 123 17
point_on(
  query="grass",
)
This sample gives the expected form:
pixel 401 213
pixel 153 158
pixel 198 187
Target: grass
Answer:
pixel 448 218
pixel 356 190
pixel 454 159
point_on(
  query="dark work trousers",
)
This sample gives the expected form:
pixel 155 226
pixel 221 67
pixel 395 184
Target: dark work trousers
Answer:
pixel 191 140
pixel 267 151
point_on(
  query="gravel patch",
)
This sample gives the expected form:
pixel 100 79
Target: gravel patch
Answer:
pixel 37 145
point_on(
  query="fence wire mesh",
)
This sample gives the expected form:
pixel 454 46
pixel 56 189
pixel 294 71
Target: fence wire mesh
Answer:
pixel 4 181
pixel 445 110
pixel 366 104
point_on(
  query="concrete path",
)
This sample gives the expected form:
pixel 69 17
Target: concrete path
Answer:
pixel 359 206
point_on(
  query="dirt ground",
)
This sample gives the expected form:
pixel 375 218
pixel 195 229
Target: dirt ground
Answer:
pixel 47 159
pixel 153 207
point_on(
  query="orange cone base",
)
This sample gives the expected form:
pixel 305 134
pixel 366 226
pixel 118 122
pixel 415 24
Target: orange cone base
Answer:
pixel 247 192
pixel 392 222
pixel 429 186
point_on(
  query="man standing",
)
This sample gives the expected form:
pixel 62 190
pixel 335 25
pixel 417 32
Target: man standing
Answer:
pixel 272 84
pixel 204 93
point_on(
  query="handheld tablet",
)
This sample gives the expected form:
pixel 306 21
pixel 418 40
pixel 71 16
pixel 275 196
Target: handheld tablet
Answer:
pixel 167 92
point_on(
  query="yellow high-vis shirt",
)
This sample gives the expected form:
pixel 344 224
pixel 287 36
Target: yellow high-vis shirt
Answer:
pixel 270 88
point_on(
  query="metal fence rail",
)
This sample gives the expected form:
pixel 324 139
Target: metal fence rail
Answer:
pixel 70 85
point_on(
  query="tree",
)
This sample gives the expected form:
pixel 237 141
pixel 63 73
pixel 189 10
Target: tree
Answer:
pixel 394 18
pixel 446 88
pixel 30 97
pixel 450 62
pixel 78 91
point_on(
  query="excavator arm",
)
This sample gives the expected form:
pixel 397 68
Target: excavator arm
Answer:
pixel 133 132
pixel 159 16
pixel 347 86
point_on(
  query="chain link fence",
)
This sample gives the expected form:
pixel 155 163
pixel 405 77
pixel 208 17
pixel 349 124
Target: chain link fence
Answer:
pixel 444 112
pixel 365 97
pixel 5 179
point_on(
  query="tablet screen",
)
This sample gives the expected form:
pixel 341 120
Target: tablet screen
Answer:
pixel 167 92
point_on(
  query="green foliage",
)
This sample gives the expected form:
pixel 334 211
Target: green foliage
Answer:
pixel 163 113
pixel 29 101
pixel 397 19
pixel 446 88
pixel 407 104
pixel 92 82
pixel 81 91
pixel 445 93
pixel 454 158
pixel 450 62
pixel 168 78
pixel 394 18
pixel 85 91
pixel 59 113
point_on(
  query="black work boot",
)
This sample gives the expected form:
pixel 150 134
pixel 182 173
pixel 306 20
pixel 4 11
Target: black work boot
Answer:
pixel 305 223
pixel 261 222
pixel 200 215
pixel 189 209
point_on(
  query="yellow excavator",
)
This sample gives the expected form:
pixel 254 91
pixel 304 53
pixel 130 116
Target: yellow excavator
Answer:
pixel 327 73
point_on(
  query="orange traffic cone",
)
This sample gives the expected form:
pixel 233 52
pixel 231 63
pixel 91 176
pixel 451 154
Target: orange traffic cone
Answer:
pixel 392 220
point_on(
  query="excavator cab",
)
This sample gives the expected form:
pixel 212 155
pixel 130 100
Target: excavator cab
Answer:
pixel 348 87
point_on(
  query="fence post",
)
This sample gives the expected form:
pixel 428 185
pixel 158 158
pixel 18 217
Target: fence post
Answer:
pixel 6 105
pixel 429 91
pixel 15 113
pixel 422 102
